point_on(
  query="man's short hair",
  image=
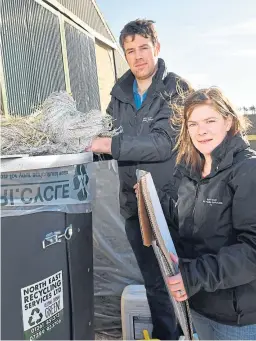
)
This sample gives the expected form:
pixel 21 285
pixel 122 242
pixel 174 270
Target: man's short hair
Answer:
pixel 142 27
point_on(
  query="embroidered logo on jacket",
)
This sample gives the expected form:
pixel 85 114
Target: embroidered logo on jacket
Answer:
pixel 147 119
pixel 211 201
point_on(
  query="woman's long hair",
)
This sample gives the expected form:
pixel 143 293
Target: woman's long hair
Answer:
pixel 213 96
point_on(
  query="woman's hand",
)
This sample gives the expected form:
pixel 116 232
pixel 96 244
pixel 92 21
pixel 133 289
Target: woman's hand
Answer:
pixel 176 285
pixel 136 189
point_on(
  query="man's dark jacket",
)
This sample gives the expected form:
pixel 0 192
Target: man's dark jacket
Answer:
pixel 147 139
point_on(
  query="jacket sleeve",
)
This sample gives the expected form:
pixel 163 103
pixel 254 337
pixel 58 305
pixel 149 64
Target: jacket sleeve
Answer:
pixel 168 199
pixel 234 265
pixel 168 196
pixel 154 147
pixel 109 109
pixel 105 157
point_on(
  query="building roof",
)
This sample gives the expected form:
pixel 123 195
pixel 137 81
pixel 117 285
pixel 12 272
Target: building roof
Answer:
pixel 87 13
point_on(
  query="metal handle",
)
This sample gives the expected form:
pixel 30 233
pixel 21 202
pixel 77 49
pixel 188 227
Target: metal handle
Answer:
pixel 55 237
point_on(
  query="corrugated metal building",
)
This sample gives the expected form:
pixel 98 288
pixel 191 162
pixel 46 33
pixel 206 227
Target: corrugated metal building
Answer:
pixel 50 45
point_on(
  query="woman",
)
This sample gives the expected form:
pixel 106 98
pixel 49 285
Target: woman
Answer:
pixel 217 219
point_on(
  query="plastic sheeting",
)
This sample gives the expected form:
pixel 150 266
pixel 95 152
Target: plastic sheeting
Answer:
pixel 115 266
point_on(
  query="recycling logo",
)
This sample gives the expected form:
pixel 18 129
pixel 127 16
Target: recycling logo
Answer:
pixel 80 182
pixel 35 317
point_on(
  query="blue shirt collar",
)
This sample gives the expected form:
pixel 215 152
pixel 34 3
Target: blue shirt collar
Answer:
pixel 138 99
pixel 136 92
pixel 135 86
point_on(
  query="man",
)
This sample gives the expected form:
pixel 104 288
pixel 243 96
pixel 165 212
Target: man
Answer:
pixel 140 105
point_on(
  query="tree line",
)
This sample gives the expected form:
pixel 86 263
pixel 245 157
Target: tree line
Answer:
pixel 248 110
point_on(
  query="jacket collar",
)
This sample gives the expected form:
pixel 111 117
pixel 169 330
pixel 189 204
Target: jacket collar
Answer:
pixel 222 157
pixel 123 89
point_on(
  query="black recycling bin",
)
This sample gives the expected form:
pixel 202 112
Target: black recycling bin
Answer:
pixel 47 248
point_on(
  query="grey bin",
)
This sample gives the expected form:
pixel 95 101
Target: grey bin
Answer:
pixel 47 247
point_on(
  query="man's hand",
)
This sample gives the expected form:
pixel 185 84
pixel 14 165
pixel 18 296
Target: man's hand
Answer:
pixel 100 145
pixel 176 285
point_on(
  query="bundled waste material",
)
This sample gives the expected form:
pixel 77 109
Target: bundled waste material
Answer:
pixel 56 128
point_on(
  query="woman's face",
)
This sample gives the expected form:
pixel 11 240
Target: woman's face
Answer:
pixel 207 128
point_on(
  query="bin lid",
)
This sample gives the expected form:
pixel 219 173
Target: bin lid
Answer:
pixel 14 163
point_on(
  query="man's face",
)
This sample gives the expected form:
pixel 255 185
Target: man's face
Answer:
pixel 141 55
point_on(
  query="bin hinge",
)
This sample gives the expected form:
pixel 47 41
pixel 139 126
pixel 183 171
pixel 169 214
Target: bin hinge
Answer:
pixel 56 237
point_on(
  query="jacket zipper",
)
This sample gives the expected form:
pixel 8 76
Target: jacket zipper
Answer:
pixel 196 196
pixel 236 308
